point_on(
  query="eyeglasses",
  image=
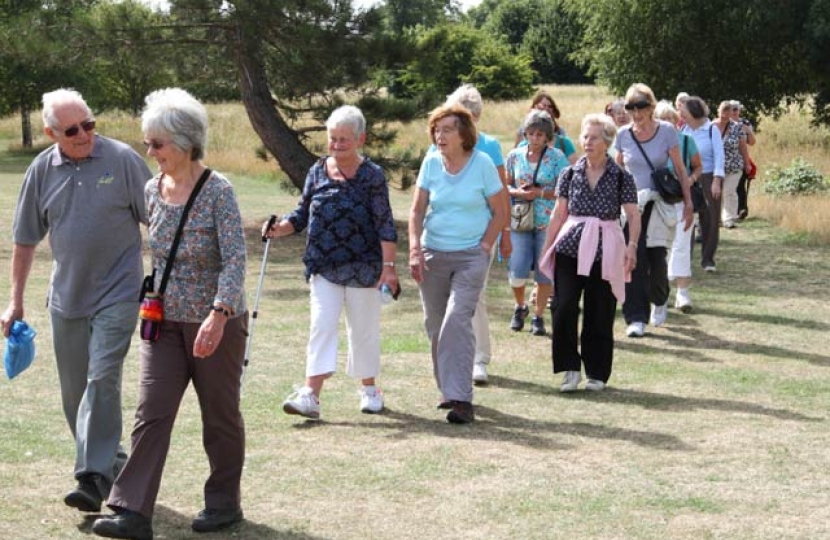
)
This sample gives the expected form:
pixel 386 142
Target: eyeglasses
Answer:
pixel 736 109
pixel 86 125
pixel 155 145
pixel 639 105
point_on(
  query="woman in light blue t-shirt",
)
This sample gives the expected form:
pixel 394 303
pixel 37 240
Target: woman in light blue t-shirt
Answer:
pixel 458 210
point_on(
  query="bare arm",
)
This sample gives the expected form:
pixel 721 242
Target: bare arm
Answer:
pixel 500 207
pixel 632 217
pixel 416 227
pixel 505 242
pixel 22 258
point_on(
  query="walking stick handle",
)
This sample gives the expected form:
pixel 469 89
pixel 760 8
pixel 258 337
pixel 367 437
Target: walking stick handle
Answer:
pixel 271 221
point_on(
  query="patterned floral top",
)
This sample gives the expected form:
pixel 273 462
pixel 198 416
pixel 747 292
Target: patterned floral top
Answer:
pixel 347 221
pixel 520 171
pixel 733 160
pixel 210 262
pixel 614 188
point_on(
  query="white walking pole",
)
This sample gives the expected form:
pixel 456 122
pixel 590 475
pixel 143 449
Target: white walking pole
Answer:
pixel 255 313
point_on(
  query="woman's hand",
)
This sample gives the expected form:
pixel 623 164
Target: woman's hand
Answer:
pixel 417 264
pixel 505 244
pixel 209 335
pixel 688 215
pixel 389 277
pixel 717 182
pixel 630 257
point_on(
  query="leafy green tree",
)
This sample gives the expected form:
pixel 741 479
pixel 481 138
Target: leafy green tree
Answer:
pixel 35 58
pixel 541 29
pixel 400 15
pixel 755 51
pixel 451 54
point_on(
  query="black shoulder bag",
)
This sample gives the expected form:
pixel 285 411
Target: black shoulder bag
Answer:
pixel 665 182
pixel 521 213
pixel 151 312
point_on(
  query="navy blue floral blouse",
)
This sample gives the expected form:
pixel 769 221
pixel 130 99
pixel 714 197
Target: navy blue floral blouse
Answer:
pixel 347 221
pixel 615 188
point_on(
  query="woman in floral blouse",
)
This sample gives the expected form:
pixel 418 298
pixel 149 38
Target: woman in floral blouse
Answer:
pixel 586 254
pixel 350 254
pixel 532 170
pixel 202 337
pixel 736 161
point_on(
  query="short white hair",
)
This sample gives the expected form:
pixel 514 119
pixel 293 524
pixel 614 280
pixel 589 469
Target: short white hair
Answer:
pixel 468 97
pixel 60 98
pixel 608 129
pixel 174 112
pixel 350 116
pixel 666 111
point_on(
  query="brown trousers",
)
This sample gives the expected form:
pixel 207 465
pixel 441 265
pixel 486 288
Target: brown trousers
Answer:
pixel 167 367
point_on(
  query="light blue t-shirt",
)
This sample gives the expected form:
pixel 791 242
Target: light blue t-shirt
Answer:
pixel 458 212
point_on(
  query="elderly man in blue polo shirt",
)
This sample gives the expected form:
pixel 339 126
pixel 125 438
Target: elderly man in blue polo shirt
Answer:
pixel 87 192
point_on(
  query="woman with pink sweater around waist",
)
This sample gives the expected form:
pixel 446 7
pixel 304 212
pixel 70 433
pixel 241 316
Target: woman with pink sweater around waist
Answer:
pixel 586 255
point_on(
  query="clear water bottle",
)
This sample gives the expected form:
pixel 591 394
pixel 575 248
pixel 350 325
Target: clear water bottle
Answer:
pixel 386 296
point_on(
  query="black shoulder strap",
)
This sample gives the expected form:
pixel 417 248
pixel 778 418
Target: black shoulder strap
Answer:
pixel 168 268
pixel 539 163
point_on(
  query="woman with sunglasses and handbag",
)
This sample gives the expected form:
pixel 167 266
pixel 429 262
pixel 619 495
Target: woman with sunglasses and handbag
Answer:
pixel 532 171
pixel 198 247
pixel 643 147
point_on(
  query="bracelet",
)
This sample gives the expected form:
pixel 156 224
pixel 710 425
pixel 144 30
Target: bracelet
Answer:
pixel 635 244
pixel 220 309
pixel 390 264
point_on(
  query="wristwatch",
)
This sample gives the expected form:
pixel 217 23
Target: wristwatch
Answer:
pixel 391 264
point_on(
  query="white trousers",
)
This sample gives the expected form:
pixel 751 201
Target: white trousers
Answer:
pixel 481 323
pixel 363 308
pixel 680 257
pixel 729 214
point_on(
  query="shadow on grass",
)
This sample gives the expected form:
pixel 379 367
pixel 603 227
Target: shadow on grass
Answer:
pixel 657 401
pixel 496 426
pixel 774 320
pixel 168 523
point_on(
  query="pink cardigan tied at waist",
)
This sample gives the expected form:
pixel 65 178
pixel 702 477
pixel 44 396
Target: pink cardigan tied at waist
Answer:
pixel 613 251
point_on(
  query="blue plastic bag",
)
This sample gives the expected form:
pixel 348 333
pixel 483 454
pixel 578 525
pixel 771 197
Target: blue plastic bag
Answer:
pixel 20 349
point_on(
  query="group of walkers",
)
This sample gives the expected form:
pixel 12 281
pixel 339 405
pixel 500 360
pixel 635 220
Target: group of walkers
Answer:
pixel 545 209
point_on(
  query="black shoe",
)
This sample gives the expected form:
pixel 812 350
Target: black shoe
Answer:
pixel 216 519
pixel 124 524
pixel 87 496
pixel 461 413
pixel 519 316
pixel 537 326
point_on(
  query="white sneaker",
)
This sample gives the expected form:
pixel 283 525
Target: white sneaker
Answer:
pixel 371 400
pixel 302 402
pixel 659 315
pixel 636 329
pixel 710 269
pixel 480 373
pixel 683 301
pixel 594 385
pixel 571 381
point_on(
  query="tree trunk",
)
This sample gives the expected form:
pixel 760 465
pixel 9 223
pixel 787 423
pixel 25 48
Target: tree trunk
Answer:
pixel 279 139
pixel 26 124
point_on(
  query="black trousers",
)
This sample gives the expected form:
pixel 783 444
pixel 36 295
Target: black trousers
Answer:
pixel 599 309
pixel 743 195
pixel 650 279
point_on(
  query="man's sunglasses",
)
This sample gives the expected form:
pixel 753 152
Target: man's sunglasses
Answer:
pixel 639 105
pixel 86 125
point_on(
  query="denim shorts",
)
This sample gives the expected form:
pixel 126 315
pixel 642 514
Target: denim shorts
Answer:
pixel 527 252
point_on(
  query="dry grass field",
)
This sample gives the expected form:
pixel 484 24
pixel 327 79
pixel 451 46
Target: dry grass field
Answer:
pixel 715 426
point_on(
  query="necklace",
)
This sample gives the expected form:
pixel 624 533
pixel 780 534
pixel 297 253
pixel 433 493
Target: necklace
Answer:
pixel 343 174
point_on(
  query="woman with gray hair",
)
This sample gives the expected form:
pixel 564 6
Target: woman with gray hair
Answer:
pixel 532 171
pixel 585 253
pixel 201 338
pixel 350 255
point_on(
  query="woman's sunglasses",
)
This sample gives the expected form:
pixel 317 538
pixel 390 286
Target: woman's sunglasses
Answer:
pixel 639 105
pixel 87 125
pixel 155 145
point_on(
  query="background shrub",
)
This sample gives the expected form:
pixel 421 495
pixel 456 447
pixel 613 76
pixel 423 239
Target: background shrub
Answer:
pixel 800 178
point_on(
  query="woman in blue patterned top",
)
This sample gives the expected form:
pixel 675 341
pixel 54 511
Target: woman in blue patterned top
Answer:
pixel 350 254
pixel 203 333
pixel 532 170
